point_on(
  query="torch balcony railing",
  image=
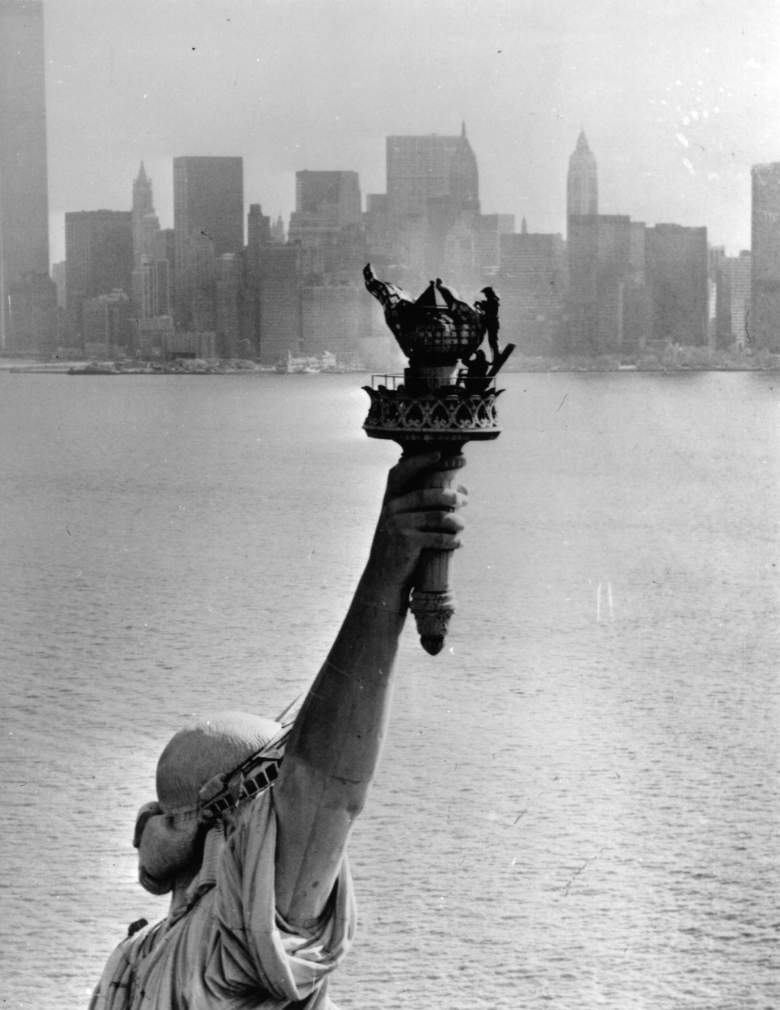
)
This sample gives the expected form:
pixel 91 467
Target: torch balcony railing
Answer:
pixel 463 381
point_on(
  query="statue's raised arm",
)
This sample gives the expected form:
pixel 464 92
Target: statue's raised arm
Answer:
pixel 261 896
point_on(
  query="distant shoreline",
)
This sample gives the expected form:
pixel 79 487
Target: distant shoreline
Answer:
pixel 536 365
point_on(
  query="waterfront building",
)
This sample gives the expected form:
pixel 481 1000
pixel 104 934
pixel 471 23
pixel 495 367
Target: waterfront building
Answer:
pixel 739 273
pixel 229 305
pixel 259 238
pixel 107 328
pixel 152 336
pixel 608 302
pixel 208 214
pixel 26 299
pixel 677 276
pixel 335 318
pixel 33 316
pixel 532 283
pixel 637 324
pixel 188 344
pixel 98 259
pixel 719 333
pixel 280 329
pixel 58 276
pixel 764 321
pixel 598 254
pixel 582 185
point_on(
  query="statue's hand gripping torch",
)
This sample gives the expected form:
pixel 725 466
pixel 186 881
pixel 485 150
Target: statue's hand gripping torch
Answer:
pixel 432 599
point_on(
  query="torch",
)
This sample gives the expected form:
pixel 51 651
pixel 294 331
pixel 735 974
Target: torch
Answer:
pixel 445 398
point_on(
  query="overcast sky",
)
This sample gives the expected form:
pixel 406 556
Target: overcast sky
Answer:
pixel 678 98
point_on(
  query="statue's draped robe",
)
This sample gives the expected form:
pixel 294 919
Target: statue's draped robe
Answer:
pixel 227 946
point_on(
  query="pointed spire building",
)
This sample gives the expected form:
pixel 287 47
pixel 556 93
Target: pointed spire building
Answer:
pixel 582 187
pixel 464 175
pixel 145 222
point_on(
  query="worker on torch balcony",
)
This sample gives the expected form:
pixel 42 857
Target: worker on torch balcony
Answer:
pixel 261 908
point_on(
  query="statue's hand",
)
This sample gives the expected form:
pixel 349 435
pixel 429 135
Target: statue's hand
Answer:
pixel 417 513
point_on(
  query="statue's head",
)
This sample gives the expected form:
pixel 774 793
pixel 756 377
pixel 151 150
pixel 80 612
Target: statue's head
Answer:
pixel 168 832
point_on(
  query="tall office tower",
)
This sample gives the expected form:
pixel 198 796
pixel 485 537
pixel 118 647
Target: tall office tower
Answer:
pixel 490 230
pixel 327 221
pixel 258 231
pixel 151 289
pixel 98 259
pixel 24 211
pixel 582 184
pixel 422 168
pixel 208 207
pixel 432 206
pixel 764 322
pixel 280 304
pixel 145 221
pixel 532 282
pixel 719 310
pixel 151 270
pixel 326 200
pixel 464 176
pixel 607 297
pixel 259 238
pixel 678 280
pixel 740 269
pixel 377 226
pixel 229 306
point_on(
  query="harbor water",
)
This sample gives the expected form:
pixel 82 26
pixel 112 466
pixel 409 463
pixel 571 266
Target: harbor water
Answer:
pixel 578 805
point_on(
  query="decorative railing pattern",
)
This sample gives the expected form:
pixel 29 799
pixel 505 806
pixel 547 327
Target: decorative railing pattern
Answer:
pixel 454 411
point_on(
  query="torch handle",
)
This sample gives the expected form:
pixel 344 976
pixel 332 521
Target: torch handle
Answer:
pixel 432 600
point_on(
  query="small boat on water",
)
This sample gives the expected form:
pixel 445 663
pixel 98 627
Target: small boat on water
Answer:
pixel 95 368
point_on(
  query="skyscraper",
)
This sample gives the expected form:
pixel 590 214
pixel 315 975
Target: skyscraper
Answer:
pixel 763 325
pixel 329 199
pixel 98 259
pixel 432 206
pixel 24 211
pixel 677 274
pixel 582 186
pixel 327 221
pixel 208 208
pixel 151 268
pixel 532 282
pixel 427 167
pixel 145 221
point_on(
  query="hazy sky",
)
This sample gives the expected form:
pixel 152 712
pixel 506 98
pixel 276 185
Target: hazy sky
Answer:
pixel 678 98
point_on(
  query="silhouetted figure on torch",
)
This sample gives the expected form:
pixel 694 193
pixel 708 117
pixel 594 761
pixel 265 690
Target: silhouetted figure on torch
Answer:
pixel 489 307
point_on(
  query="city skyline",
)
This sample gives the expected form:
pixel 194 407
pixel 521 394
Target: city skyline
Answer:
pixel 677 102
